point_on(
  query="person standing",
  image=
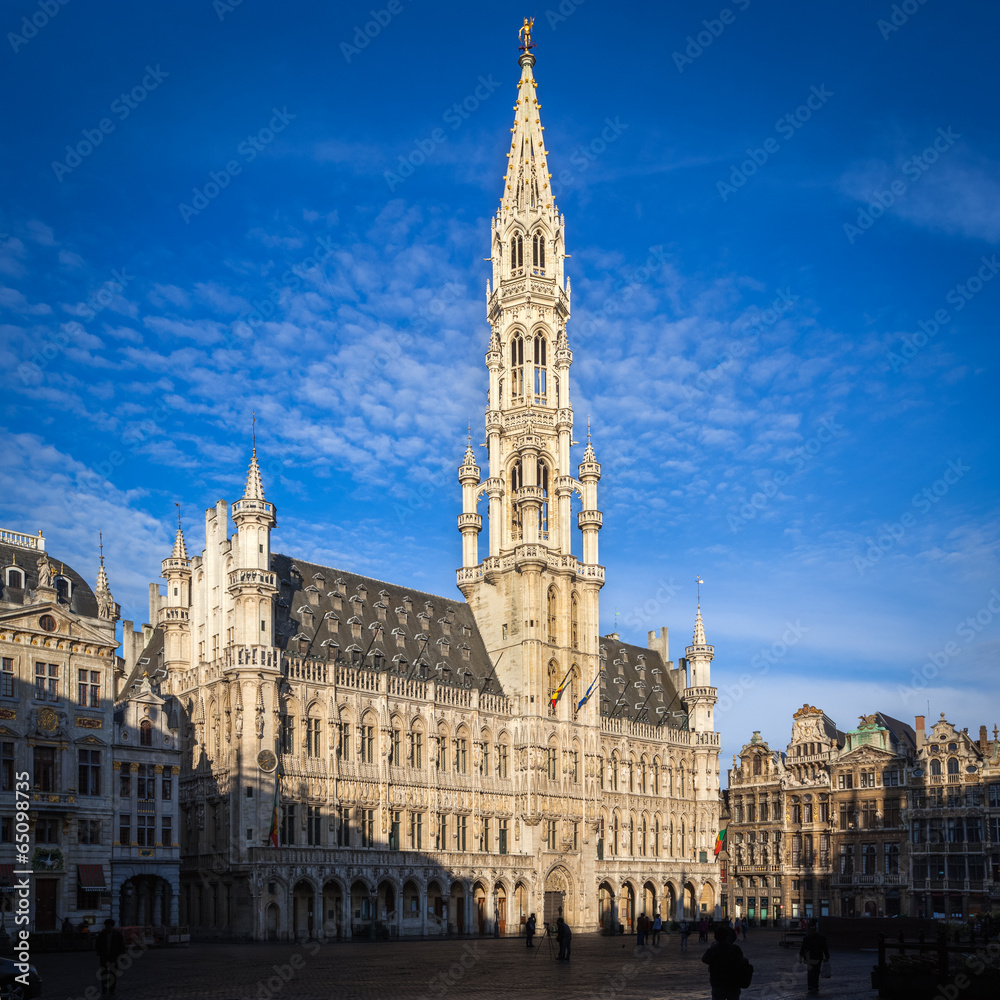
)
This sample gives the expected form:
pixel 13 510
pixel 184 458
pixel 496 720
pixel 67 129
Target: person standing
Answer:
pixel 110 946
pixel 529 931
pixel 564 936
pixel 640 930
pixel 814 951
pixel 725 966
pixel 685 931
pixel 657 927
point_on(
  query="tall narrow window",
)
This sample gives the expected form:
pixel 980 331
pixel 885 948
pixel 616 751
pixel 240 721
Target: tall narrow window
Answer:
pixel 517 369
pixel 516 482
pixel 517 251
pixel 367 744
pixel 145 733
pixel 574 622
pixel 7 678
pixel 540 370
pixel 538 253
pixel 543 511
pixel 313 737
pixel 551 614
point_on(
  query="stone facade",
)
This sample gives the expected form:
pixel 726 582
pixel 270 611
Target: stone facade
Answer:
pixel 441 764
pixel 882 820
pixel 59 706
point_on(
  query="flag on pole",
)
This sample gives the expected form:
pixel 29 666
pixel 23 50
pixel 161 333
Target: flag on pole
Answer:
pixel 583 701
pixel 557 694
pixel 719 841
pixel 273 835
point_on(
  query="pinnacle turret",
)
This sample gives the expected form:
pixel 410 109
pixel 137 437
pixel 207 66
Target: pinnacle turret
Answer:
pixel 254 489
pixel 699 630
pixel 106 606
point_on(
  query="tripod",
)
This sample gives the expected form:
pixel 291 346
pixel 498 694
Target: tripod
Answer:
pixel 549 937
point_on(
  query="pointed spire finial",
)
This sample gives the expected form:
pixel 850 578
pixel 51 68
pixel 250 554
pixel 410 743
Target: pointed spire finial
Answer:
pixel 699 581
pixel 588 428
pixel 180 549
pixel 100 539
pixel 253 429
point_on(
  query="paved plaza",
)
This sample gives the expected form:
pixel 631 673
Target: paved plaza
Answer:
pixel 601 968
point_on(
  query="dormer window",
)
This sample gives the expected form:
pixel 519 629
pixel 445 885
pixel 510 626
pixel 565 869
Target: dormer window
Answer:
pixel 145 733
pixel 15 578
pixel 63 589
pixel 381 609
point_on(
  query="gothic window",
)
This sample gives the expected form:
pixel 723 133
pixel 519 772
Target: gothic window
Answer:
pixel 145 733
pixel 551 615
pixel 614 772
pixel 574 622
pixel 516 368
pixel 538 253
pixel 516 252
pixel 543 514
pixel 540 370
pixel 516 482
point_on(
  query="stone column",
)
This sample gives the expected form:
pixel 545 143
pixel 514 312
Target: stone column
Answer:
pixel 319 914
pixel 374 912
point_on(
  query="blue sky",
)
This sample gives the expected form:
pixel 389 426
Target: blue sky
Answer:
pixel 782 221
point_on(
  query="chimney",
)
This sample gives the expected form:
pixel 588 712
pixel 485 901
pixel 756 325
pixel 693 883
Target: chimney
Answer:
pixel 920 732
pixel 982 738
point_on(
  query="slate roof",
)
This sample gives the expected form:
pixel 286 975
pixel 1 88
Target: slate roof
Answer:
pixel 317 617
pixel 82 600
pixel 901 731
pixel 634 665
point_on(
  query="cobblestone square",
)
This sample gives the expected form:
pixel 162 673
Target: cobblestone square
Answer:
pixel 601 968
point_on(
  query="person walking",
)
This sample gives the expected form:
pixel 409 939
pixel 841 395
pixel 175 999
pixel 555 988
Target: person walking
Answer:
pixel 685 931
pixel 564 936
pixel 703 931
pixel 110 946
pixel 529 931
pixel 743 927
pixel 657 927
pixel 640 930
pixel 725 966
pixel 814 951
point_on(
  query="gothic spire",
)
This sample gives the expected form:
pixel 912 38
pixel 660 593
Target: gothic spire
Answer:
pixel 255 488
pixel 106 607
pixel 526 183
pixel 180 549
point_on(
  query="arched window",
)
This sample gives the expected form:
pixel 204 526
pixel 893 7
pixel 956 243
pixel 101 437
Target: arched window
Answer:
pixel 614 772
pixel 538 253
pixel 551 615
pixel 516 251
pixel 516 482
pixel 615 832
pixel 15 578
pixel 953 765
pixel 145 733
pixel 574 622
pixel 935 767
pixel 517 368
pixel 540 370
pixel 643 833
pixel 543 513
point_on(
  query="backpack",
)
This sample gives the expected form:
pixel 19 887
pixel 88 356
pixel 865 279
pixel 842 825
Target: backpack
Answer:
pixel 746 974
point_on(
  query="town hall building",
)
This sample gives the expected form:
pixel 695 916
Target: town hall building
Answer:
pixel 364 759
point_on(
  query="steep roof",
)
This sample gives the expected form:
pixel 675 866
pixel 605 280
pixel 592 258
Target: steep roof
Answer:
pixel 630 674
pixel 315 611
pixel 82 601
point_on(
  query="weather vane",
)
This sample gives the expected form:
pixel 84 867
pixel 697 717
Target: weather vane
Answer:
pixel 178 506
pixel 526 29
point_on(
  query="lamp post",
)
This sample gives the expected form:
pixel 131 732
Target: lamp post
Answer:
pixel 496 912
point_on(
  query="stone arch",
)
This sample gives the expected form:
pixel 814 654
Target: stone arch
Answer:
pixel 333 908
pixel 387 908
pixel 706 906
pixel 459 893
pixel 560 897
pixel 520 904
pixel 305 921
pixel 650 903
pixel 626 906
pixel 480 907
pixel 606 916
pixel 412 908
pixel 689 901
pixel 437 912
pixel 670 901
pixel 361 908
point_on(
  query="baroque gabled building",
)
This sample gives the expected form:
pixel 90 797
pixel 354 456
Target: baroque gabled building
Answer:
pixel 886 819
pixel 436 763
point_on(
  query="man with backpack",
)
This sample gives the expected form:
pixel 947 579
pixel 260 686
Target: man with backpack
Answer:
pixel 728 971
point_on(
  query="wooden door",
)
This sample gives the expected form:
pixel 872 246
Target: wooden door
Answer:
pixel 502 914
pixel 46 891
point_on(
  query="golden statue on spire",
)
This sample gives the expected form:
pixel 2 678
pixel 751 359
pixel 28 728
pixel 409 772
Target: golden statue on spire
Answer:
pixel 526 29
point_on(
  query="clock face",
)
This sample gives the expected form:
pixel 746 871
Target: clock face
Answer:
pixel 266 760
